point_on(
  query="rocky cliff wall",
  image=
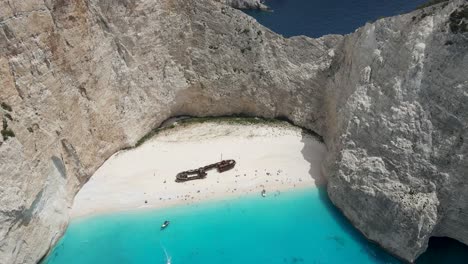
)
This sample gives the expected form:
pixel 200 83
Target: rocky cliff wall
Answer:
pixel 246 4
pixel 83 79
pixel 398 127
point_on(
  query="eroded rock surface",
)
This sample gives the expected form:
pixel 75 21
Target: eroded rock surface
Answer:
pixel 82 79
pixel 398 129
pixel 246 4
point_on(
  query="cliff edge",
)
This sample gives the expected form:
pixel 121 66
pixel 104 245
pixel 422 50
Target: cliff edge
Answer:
pixel 246 4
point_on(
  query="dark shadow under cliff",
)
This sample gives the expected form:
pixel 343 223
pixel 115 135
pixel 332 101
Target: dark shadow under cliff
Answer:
pixel 444 250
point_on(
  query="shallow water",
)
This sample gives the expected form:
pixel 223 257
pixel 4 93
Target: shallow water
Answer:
pixel 292 227
pixel 315 18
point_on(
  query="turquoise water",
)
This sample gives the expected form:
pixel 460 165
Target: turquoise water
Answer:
pixel 292 227
pixel 315 18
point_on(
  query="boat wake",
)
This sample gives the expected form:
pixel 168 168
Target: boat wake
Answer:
pixel 168 258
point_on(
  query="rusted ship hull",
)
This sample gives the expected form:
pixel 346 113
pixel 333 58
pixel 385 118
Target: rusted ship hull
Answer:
pixel 200 173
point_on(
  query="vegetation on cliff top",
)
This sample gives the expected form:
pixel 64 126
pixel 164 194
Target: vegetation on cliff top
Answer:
pixel 6 132
pixel 458 20
pixel 431 3
pixel 6 107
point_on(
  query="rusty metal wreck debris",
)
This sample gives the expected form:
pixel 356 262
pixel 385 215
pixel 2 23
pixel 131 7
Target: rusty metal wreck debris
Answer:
pixel 200 173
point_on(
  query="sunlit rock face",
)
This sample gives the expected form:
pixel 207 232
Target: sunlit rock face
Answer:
pixel 397 130
pixel 83 79
pixel 246 4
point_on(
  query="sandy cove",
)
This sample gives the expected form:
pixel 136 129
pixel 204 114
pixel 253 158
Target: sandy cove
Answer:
pixel 274 157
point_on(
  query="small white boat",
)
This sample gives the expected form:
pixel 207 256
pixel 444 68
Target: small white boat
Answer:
pixel 165 224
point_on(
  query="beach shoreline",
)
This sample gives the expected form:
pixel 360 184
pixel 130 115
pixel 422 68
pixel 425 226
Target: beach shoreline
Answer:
pixel 200 202
pixel 273 158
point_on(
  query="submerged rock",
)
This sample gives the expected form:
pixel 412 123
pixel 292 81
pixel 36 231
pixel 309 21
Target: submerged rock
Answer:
pixel 87 78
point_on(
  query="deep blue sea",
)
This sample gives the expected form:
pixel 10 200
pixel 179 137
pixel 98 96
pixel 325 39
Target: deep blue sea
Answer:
pixel 292 227
pixel 315 18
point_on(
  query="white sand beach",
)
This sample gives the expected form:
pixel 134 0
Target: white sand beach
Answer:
pixel 272 157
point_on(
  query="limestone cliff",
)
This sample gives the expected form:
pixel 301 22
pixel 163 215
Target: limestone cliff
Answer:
pixel 82 79
pixel 398 129
pixel 246 4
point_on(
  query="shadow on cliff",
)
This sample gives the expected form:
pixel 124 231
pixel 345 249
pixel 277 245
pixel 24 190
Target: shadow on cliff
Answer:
pixel 444 250
pixel 313 155
pixel 373 250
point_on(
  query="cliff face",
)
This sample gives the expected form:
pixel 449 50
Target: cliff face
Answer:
pixel 246 4
pixel 398 130
pixel 83 79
